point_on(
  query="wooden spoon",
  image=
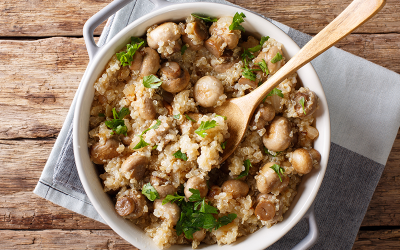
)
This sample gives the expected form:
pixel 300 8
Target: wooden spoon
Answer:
pixel 239 110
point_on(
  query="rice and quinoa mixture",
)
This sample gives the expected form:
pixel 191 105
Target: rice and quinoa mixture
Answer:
pixel 158 145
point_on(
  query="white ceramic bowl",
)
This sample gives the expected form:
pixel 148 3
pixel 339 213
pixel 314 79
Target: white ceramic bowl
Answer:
pixel 310 184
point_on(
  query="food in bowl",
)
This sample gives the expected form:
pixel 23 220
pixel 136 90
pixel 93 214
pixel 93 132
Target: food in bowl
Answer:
pixel 158 143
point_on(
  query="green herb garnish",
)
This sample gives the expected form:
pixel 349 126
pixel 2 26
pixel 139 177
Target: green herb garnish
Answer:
pixel 178 116
pixel 301 101
pixel 127 57
pixel 179 155
pixel 183 49
pixel 189 118
pixel 277 92
pixel 142 143
pixel 246 55
pixel 263 66
pixel 277 58
pixel 117 125
pixel 196 214
pixel 205 126
pixel 237 20
pixel 268 153
pixel 150 192
pixel 222 116
pixel 278 170
pixel 248 73
pixel 245 172
pixel 151 82
pixel 259 47
pixel 154 147
pixel 205 19
pixel 223 144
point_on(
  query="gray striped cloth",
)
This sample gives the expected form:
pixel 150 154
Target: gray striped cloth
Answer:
pixel 365 117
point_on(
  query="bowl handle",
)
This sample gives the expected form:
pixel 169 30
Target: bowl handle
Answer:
pixel 105 13
pixel 313 232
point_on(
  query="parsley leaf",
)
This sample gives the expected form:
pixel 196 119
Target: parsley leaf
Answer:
pixel 225 220
pixel 268 153
pixel 205 126
pixel 205 19
pixel 277 58
pixel 127 57
pixel 301 101
pixel 154 147
pixel 222 116
pixel 102 115
pixel 183 49
pixel 117 125
pixel 263 66
pixel 150 192
pixel 248 73
pixel 223 144
pixel 276 91
pixel 246 55
pixel 178 116
pixel 142 143
pixel 189 118
pixel 278 170
pixel 195 195
pixel 259 47
pixel 245 172
pixel 237 20
pixel 151 82
pixel 173 198
pixel 179 155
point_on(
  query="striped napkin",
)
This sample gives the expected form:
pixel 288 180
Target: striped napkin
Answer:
pixel 365 117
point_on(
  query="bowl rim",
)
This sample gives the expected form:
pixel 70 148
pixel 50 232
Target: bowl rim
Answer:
pixel 80 147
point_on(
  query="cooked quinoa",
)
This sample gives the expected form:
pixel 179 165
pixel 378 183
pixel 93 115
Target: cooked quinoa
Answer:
pixel 153 135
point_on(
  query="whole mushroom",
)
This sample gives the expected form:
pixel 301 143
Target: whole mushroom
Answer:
pixel 207 91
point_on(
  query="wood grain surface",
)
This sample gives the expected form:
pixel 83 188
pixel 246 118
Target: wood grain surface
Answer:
pixel 43 57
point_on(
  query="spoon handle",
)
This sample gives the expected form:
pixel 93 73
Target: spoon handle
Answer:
pixel 358 12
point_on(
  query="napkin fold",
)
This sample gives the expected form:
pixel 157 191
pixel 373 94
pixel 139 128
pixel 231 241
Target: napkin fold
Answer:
pixel 365 117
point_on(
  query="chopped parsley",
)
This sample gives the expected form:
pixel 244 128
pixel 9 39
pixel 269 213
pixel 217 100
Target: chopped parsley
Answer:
pixel 277 92
pixel 196 214
pixel 223 144
pixel 154 147
pixel 151 82
pixel 117 125
pixel 150 192
pixel 222 116
pixel 246 55
pixel 127 57
pixel 263 66
pixel 245 172
pixel 301 101
pixel 259 47
pixel 142 143
pixel 183 49
pixel 189 118
pixel 268 153
pixel 248 73
pixel 277 58
pixel 102 115
pixel 178 116
pixel 278 170
pixel 179 155
pixel 205 19
pixel 237 20
pixel 205 126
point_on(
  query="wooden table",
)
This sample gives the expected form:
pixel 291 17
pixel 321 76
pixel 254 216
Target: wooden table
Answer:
pixel 42 59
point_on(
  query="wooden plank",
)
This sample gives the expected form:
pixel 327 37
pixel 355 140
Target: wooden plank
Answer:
pixel 36 93
pixel 61 239
pixel 47 18
pixel 311 16
pixel 25 210
pixel 377 239
pixel 66 18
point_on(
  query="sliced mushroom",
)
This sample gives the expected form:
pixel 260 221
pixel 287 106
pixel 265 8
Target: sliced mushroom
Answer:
pixel 214 190
pixel 136 64
pixel 174 78
pixel 277 137
pixel 131 205
pixel 199 235
pixel 250 43
pixel 207 91
pixel 136 166
pixel 162 187
pixel 196 183
pixel 265 209
pixel 100 153
pixel 169 212
pixel 195 33
pixel 147 110
pixel 310 102
pixel 265 114
pixel 244 81
pixel 150 63
pixel 267 56
pixel 268 180
pixel 236 187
